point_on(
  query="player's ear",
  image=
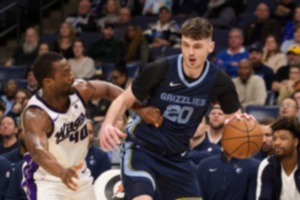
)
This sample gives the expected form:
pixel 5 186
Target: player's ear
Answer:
pixel 211 46
pixel 296 142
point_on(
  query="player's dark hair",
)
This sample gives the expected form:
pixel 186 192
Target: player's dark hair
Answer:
pixel 197 28
pixel 43 66
pixel 290 124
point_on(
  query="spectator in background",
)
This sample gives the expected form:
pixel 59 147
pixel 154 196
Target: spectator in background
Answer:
pixel 97 7
pixel 216 122
pixel 288 87
pixel 82 66
pixel 290 26
pixel 296 97
pixel 5 171
pixel 288 107
pixel 119 75
pixel 43 48
pixel 282 74
pixel 266 148
pixel 152 7
pixel 25 54
pixel 272 57
pixel 292 42
pixel 278 175
pixel 219 177
pixel 8 130
pixel 110 13
pixel 66 37
pixel 83 20
pixel 22 96
pixel 165 32
pixel 107 49
pixel 32 84
pixel 124 19
pixel 137 47
pixel 2 110
pixel 284 11
pixel 200 145
pixel 220 14
pixel 229 59
pixel 251 88
pixel 184 8
pixel 259 68
pixel 96 159
pixel 10 91
pixel 263 25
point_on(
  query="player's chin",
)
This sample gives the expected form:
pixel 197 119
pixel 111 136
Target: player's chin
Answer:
pixel 71 90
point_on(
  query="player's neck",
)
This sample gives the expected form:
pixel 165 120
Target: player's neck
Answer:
pixel 193 72
pixel 215 134
pixel 56 101
pixel 289 163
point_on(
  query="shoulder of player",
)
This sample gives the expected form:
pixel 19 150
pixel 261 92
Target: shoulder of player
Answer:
pixel 33 114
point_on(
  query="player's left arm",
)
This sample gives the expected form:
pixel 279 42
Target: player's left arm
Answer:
pixel 225 93
pixel 101 89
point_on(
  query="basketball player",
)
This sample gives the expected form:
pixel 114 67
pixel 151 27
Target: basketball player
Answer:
pixel 182 87
pixel 56 134
pixel 279 174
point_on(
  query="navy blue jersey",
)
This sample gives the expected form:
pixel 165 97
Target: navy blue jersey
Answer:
pixel 220 179
pixel 5 170
pixel 182 103
pixel 13 157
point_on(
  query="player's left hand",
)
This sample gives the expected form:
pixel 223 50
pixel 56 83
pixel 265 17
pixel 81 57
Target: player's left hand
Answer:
pixel 151 115
pixel 240 116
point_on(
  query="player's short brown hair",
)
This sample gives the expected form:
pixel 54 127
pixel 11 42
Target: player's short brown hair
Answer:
pixel 197 28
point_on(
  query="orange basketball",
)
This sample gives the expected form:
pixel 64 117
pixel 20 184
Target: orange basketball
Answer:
pixel 242 138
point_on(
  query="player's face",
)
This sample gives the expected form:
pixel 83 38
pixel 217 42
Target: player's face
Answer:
pixel 195 52
pixel 63 77
pixel 216 119
pixel 267 138
pixel 284 143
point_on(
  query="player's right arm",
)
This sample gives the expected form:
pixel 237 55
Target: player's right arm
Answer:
pixel 37 125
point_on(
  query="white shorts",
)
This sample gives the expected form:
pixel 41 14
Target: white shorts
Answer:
pixel 40 185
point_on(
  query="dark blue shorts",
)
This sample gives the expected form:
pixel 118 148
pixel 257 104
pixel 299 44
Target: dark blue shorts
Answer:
pixel 145 172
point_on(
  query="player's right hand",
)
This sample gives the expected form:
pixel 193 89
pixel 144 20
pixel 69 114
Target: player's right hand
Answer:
pixel 68 174
pixel 110 137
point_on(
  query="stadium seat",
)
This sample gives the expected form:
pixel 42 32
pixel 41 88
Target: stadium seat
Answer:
pixel 22 83
pixel 13 72
pixel 169 51
pixel 88 38
pixel 49 37
pixel 252 4
pixel 220 37
pixel 107 70
pixel 144 21
pixel 270 100
pixel 244 19
pixel 260 112
pixel 133 69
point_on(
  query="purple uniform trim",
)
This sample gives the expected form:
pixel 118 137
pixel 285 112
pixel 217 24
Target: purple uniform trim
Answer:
pixel 28 182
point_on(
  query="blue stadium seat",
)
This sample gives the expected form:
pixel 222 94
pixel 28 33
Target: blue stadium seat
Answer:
pixel 144 21
pixel 244 19
pixel 22 83
pixel 133 69
pixel 252 4
pixel 169 51
pixel 220 37
pixel 49 37
pixel 156 53
pixel 13 72
pixel 107 69
pixel 260 112
pixel 270 100
pixel 89 38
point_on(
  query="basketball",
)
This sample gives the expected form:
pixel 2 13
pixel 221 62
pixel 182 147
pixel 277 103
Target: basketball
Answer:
pixel 242 138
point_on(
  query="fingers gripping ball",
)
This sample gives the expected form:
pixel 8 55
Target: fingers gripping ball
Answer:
pixel 242 138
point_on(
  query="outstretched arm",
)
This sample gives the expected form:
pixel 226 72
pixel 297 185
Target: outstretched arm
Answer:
pixel 110 135
pixel 37 125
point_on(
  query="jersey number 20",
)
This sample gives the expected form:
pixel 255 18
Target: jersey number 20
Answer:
pixel 179 114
